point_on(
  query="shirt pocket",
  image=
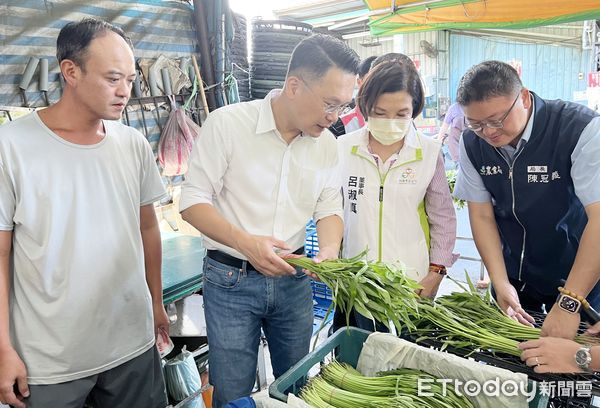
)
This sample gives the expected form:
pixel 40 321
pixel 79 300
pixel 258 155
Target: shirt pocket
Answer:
pixel 304 184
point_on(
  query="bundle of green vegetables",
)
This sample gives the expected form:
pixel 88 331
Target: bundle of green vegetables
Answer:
pixel 376 290
pixel 483 312
pixel 464 320
pixel 469 320
pixel 439 323
pixel 342 386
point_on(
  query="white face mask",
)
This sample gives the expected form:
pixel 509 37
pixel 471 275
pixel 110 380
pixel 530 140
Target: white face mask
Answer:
pixel 388 131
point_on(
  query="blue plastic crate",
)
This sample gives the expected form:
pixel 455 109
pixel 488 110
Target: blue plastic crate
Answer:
pixel 311 244
pixel 322 302
pixel 320 312
pixel 321 291
pixel 322 298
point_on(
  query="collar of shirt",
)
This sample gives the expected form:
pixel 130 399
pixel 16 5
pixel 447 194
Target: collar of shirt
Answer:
pixel 258 182
pixel 510 151
pixel 266 119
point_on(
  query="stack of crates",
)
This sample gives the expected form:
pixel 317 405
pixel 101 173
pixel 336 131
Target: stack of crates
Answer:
pixel 311 244
pixel 322 295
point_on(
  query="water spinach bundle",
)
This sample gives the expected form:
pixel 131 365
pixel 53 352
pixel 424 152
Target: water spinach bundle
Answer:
pixel 340 385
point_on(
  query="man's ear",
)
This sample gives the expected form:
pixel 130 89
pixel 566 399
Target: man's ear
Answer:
pixel 526 96
pixel 70 71
pixel 292 86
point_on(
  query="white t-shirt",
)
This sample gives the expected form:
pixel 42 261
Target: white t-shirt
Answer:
pixel 243 167
pixel 79 302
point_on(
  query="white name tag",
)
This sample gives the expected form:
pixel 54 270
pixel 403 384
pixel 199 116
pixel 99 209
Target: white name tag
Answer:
pixel 537 169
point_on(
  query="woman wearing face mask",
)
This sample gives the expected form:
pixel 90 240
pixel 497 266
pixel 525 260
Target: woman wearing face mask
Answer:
pixel 396 198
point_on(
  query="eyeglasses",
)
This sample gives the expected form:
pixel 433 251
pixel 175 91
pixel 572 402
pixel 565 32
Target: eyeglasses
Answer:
pixel 328 108
pixel 492 124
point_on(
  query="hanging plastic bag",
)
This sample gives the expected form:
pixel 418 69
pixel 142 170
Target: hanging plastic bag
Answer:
pixel 182 377
pixel 231 85
pixel 176 141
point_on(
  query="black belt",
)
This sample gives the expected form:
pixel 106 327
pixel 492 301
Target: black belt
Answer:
pixel 234 262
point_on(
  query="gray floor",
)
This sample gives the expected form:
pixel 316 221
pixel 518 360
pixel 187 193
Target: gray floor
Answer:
pixel 466 248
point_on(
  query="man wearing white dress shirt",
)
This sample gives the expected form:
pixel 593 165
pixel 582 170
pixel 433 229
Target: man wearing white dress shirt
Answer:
pixel 259 172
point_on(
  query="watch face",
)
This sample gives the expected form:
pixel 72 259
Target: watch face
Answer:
pixel 569 304
pixel 583 358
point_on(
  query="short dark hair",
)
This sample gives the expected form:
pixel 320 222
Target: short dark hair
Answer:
pixel 315 55
pixel 487 80
pixel 365 66
pixel 393 57
pixel 75 38
pixel 389 77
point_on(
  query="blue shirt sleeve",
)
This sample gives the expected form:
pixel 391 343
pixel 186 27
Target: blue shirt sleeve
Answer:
pixel 469 185
pixel 585 159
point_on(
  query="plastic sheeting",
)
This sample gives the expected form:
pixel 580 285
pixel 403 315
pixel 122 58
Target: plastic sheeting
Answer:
pixel 411 16
pixel 383 352
pixel 30 28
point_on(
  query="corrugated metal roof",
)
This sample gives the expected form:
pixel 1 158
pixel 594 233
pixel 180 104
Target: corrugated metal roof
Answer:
pixel 568 34
pixel 318 9
pixel 366 48
pixel 337 16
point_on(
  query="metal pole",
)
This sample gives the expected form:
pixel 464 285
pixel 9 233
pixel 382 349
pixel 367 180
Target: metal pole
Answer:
pixel 201 86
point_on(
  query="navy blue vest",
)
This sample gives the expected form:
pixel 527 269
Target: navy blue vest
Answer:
pixel 539 217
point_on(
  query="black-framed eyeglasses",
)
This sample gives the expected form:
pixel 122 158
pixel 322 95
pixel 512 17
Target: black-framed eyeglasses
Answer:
pixel 492 124
pixel 328 108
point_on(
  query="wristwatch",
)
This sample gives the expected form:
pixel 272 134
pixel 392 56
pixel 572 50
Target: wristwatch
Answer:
pixel 439 269
pixel 583 358
pixel 568 303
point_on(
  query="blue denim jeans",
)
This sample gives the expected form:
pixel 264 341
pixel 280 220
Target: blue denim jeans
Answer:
pixel 237 304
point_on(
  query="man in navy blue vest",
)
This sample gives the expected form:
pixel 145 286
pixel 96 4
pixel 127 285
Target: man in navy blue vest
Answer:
pixel 530 171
